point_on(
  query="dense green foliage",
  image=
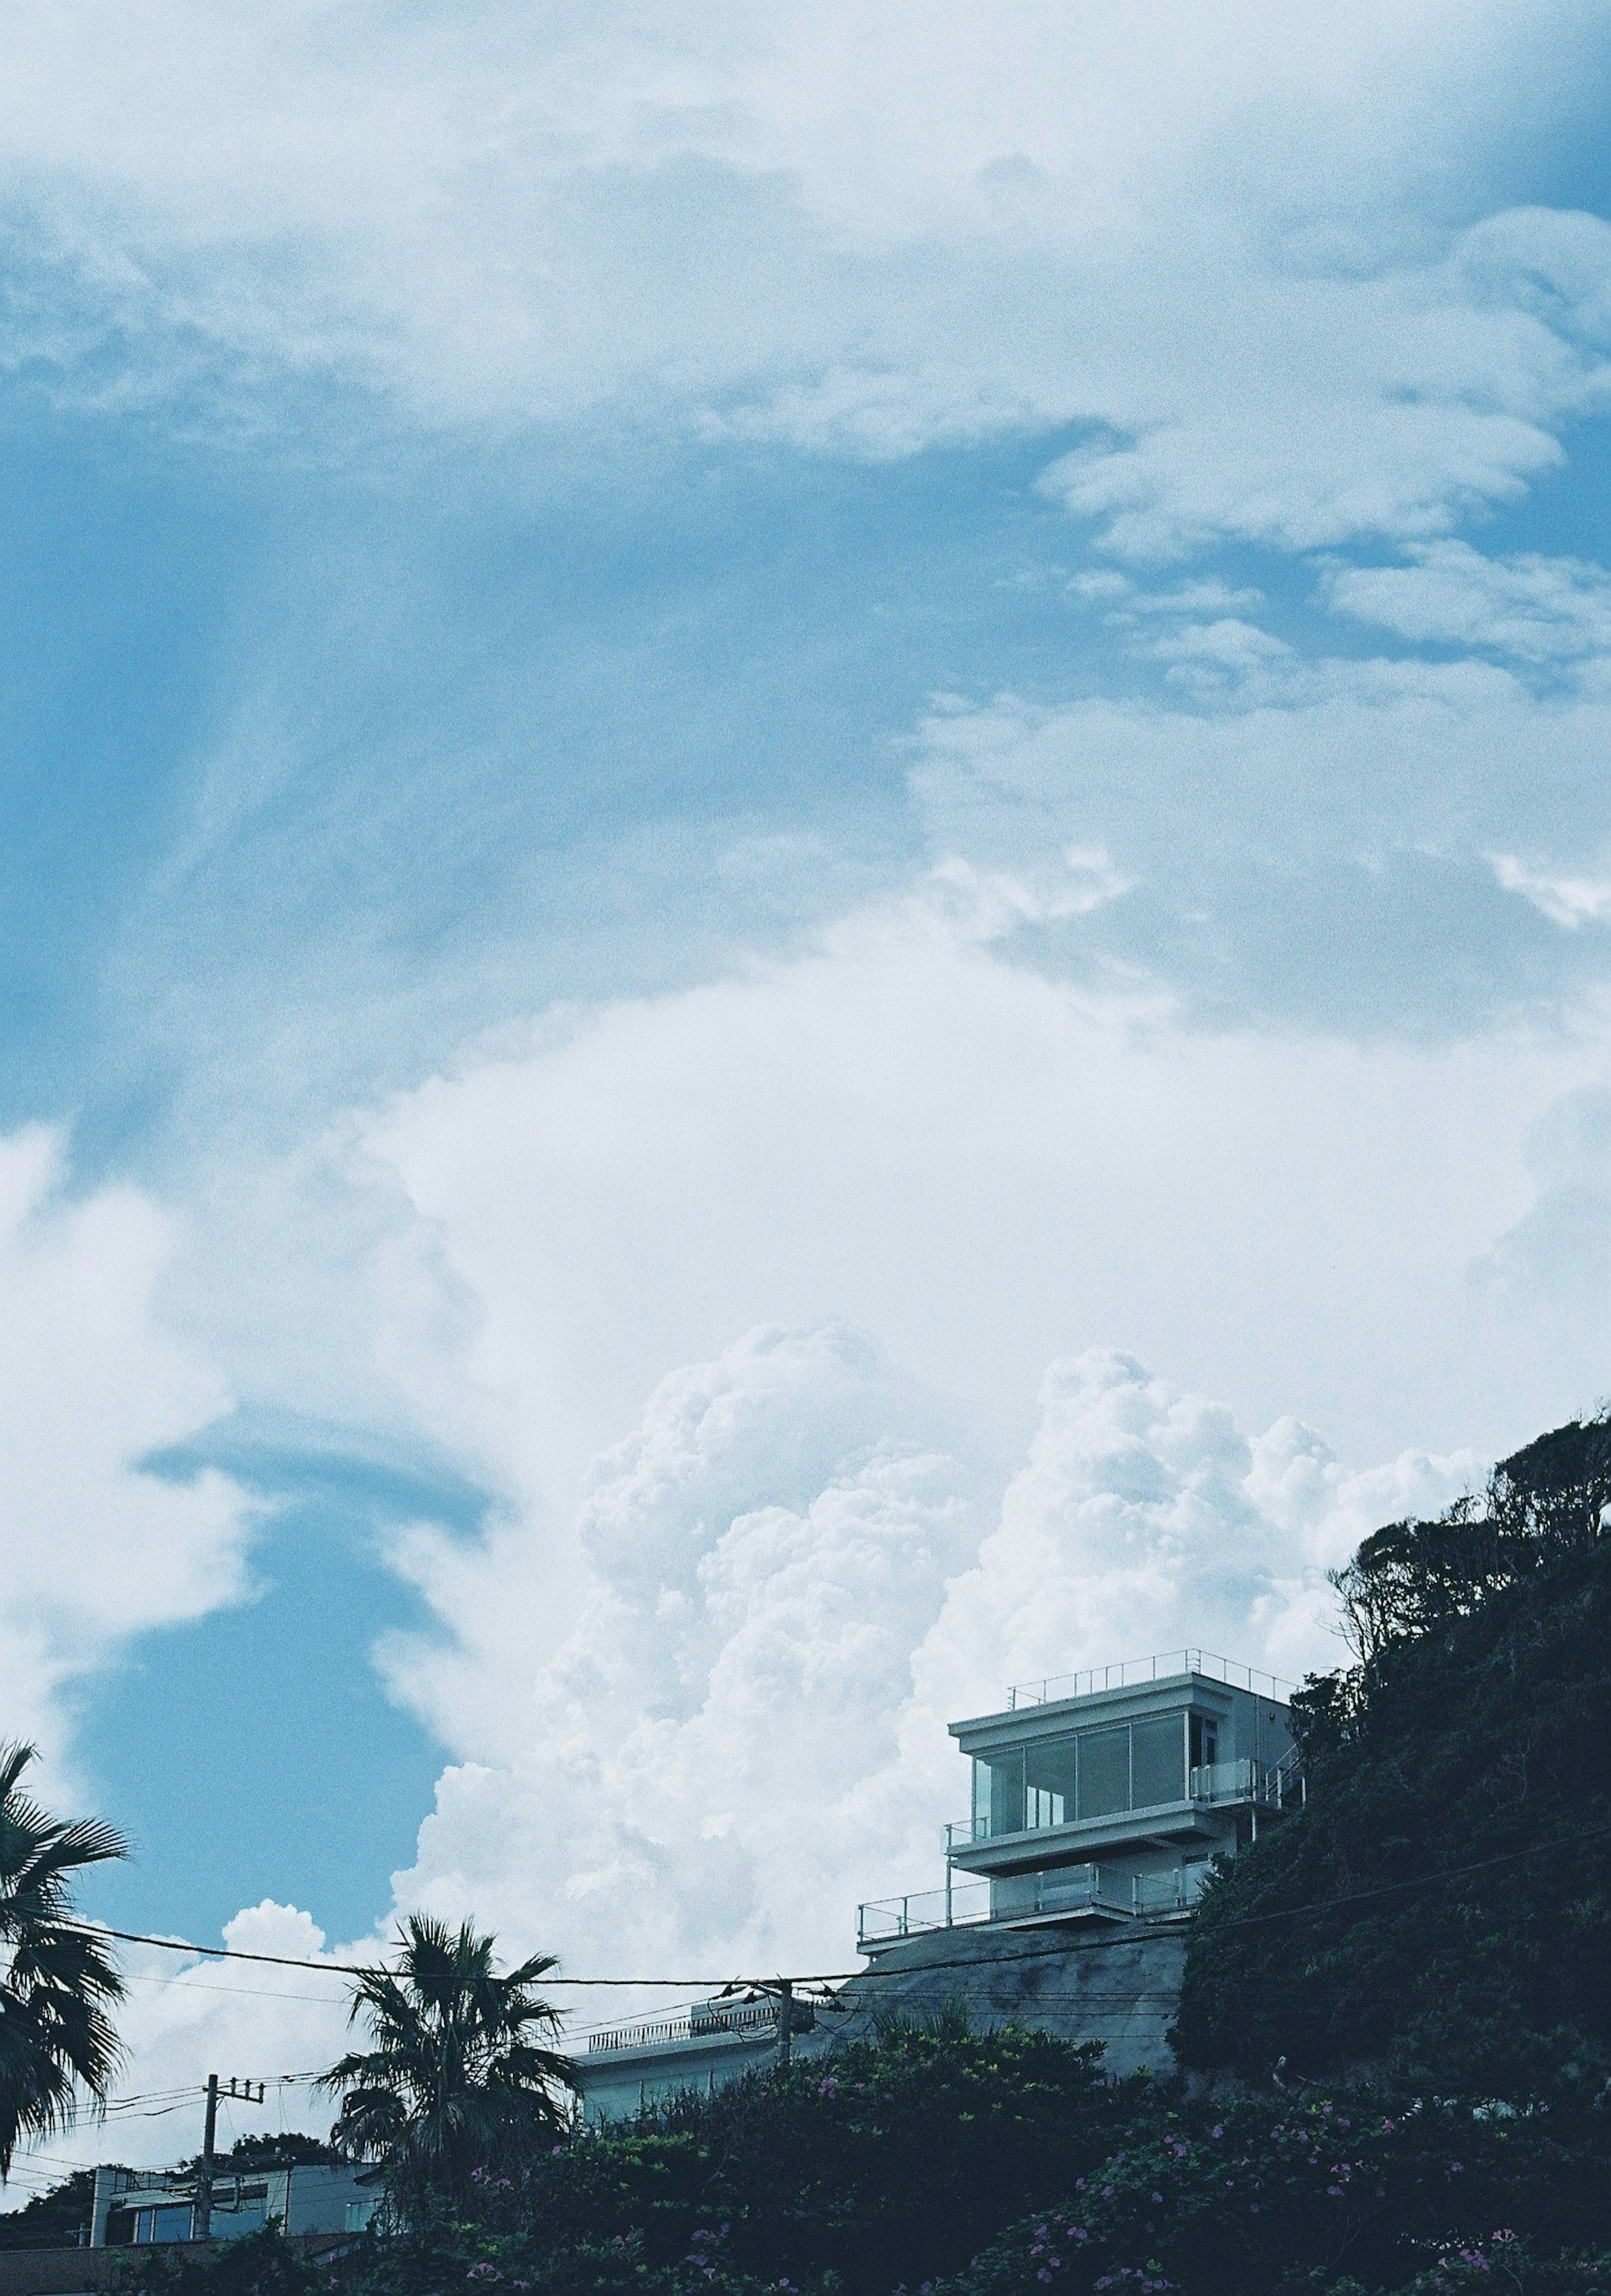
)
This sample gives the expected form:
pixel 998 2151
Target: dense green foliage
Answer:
pixel 279 2148
pixel 55 2219
pixel 1001 2165
pixel 57 1985
pixel 1440 1902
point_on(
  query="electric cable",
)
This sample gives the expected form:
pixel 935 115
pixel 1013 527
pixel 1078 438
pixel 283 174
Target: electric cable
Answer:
pixel 1133 1931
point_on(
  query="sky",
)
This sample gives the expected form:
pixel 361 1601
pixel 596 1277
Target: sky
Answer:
pixel 806 903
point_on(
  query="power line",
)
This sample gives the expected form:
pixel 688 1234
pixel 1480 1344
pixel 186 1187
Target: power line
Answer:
pixel 362 1968
pixel 1132 1932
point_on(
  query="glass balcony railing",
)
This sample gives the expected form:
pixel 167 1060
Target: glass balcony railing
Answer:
pixel 960 1907
pixel 1024 1896
pixel 1063 1889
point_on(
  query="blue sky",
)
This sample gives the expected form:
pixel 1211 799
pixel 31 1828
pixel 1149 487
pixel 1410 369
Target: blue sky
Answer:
pixel 716 736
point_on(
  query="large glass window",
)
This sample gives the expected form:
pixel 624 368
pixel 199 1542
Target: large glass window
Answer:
pixel 1104 1779
pixel 1157 1761
pixel 172 2222
pixel 998 1794
pixel 1048 1781
pixel 1091 1773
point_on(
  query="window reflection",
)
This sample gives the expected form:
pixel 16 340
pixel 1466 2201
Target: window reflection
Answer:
pixel 1088 1773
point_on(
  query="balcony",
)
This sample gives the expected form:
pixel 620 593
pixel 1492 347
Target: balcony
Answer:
pixel 1063 1892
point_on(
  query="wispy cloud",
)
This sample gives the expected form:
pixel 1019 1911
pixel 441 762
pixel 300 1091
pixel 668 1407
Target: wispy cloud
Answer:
pixel 1566 899
pixel 1533 608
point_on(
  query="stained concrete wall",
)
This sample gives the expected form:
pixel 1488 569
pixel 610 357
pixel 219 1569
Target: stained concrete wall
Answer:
pixel 1086 1981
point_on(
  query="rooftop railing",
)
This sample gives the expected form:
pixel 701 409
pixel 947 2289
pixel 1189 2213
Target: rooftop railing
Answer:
pixel 751 2018
pixel 1130 1673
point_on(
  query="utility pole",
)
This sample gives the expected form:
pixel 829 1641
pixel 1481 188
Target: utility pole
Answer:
pixel 784 1989
pixel 244 2092
pixel 204 2181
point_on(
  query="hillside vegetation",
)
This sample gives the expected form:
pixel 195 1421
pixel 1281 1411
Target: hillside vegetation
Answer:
pixel 1442 1902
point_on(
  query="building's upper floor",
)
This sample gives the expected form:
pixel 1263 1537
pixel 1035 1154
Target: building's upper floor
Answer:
pixel 1094 1764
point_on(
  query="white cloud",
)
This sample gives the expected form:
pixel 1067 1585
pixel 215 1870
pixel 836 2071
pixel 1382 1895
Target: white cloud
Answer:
pixel 1325 842
pixel 96 1549
pixel 980 1165
pixel 1568 900
pixel 185 2018
pixel 1537 609
pixel 1200 239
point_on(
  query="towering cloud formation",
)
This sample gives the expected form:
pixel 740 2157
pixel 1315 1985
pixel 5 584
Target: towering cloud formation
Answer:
pixel 795 1583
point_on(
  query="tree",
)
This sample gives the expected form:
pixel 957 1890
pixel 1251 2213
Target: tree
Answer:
pixel 454 2078
pixel 57 1985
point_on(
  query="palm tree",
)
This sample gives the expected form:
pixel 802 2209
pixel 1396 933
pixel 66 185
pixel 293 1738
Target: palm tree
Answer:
pixel 56 1983
pixel 455 2077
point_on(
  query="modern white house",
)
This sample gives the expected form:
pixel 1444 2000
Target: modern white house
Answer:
pixel 137 2207
pixel 1104 1797
pixel 1097 1804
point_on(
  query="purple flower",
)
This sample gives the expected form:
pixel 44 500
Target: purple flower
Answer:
pixel 1218 2129
pixel 1043 2273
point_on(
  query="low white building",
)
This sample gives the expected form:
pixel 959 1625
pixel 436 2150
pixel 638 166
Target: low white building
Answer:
pixel 139 2207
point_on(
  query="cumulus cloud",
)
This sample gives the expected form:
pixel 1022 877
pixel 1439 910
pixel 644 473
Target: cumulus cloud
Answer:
pixel 1146 1521
pixel 97 1545
pixel 745 1730
pixel 1557 1256
pixel 687 1771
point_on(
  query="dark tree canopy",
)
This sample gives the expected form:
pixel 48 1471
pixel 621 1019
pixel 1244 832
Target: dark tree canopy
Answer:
pixel 1472 1742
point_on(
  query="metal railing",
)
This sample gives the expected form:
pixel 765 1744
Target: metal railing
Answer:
pixel 1132 1672
pixel 961 1907
pixel 710 2021
pixel 1022 1897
